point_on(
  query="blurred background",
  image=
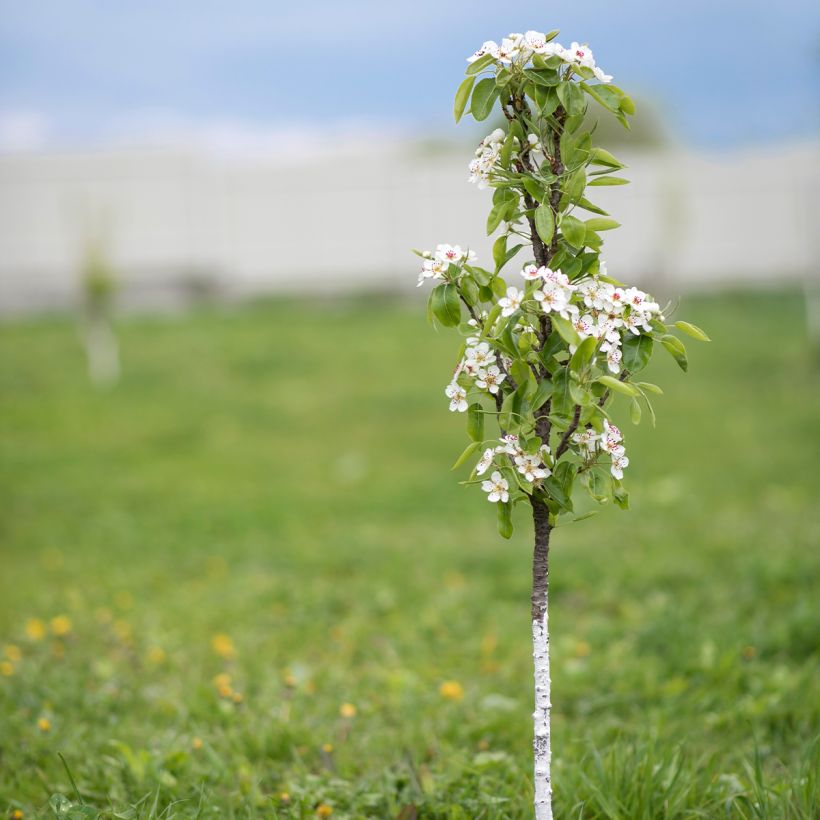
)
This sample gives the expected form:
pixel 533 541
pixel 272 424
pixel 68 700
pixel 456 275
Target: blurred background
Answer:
pixel 237 577
pixel 205 148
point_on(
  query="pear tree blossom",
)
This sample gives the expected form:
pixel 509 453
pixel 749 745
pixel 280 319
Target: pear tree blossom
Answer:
pixel 544 360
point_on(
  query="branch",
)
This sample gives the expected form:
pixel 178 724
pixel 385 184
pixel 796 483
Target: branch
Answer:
pixel 564 443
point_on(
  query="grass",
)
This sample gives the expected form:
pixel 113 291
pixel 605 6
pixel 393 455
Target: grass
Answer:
pixel 265 496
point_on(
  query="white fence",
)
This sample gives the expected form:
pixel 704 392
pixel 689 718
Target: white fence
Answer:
pixel 175 223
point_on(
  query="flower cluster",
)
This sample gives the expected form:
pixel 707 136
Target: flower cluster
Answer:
pixel 595 307
pixel 436 265
pixel 609 310
pixel 519 49
pixel 610 441
pixel 532 466
pixel 485 157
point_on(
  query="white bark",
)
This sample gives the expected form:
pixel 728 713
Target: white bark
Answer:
pixel 541 718
pixel 102 353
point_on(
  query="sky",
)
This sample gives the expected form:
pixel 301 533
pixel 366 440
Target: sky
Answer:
pixel 722 73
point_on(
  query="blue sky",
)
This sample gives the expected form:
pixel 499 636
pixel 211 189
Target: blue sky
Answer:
pixel 86 71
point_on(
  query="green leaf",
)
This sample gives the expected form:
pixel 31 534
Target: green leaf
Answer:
pixel 481 62
pixel 571 97
pixel 600 156
pixel 534 188
pixel 583 353
pixel 637 350
pixel 462 95
pixel 520 371
pixel 543 392
pixel 607 180
pixel 618 386
pixel 676 348
pixel 621 497
pixel 469 290
pixel 511 252
pixel 556 492
pixel 652 388
pixel 565 329
pixel 573 188
pixel 475 422
pixel 505 524
pixel 604 96
pixel 574 231
pixel 693 330
pixel 598 223
pixel 543 76
pixel 584 203
pixel 562 403
pixel 445 304
pixel 466 453
pixel 499 250
pixel 544 223
pixel 484 97
pixel 635 411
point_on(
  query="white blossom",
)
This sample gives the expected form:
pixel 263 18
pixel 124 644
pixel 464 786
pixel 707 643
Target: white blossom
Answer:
pixel 509 445
pixel 490 379
pixel 613 359
pixel 452 254
pixel 488 151
pixel 485 461
pixel 431 269
pixel 458 397
pixel 511 302
pixel 530 466
pixel 496 488
pixel 619 464
pixel 531 272
pixel 488 47
pixel 610 439
pixel 479 356
pixel 586 439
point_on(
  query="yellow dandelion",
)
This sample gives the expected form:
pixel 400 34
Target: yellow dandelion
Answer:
pixel 582 649
pixel 237 697
pixel 6 669
pixel 35 629
pixel 223 646
pixel 452 690
pixel 44 724
pixel 224 691
pixel 327 748
pixel 60 625
pixel 222 679
pixel 284 797
pixel 323 810
pixel 347 710
pixel 156 655
pixel 124 599
pixel 104 615
pixel 12 652
pixel 290 680
pixel 16 814
pixel 122 629
pixel 196 743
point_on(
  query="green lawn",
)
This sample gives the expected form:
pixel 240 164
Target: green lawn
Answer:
pixel 278 474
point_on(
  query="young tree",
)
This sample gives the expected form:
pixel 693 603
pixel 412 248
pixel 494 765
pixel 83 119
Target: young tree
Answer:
pixel 98 284
pixel 546 356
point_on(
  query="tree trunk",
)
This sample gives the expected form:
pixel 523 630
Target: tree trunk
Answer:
pixel 102 352
pixel 541 662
